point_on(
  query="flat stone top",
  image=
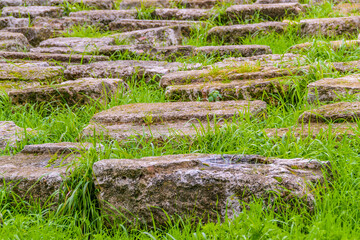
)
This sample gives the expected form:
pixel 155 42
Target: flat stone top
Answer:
pixel 352 81
pixel 75 41
pixel 262 6
pixel 230 47
pixel 330 20
pixel 175 111
pixel 103 13
pixel 252 25
pixel 344 111
pixel 31 8
pixel 52 148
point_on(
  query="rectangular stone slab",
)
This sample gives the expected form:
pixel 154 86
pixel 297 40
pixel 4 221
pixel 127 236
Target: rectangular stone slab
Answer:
pixel 234 50
pixel 35 35
pixel 341 111
pixel 126 4
pixel 81 91
pixel 183 14
pixel 13 22
pixel 336 45
pixel 200 185
pixel 32 12
pixel 59 23
pixel 105 16
pixel 232 34
pixel 161 120
pixel 330 89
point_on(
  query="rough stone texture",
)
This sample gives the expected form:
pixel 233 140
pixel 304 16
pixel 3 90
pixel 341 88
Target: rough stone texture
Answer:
pixel 32 12
pixel 330 27
pixel 125 4
pixel 35 35
pixel 348 8
pixel 234 50
pixel 342 111
pixel 275 1
pixel 158 37
pixel 331 89
pixel 10 3
pixel 232 34
pixel 98 4
pixel 37 172
pixel 68 58
pixel 105 16
pixel 63 23
pixel 262 89
pixel 353 66
pixel 123 69
pixel 13 42
pixel 11 45
pixel 315 130
pixel 336 45
pixel 206 186
pixel 30 72
pixel 248 72
pixel 10 134
pixel 82 91
pixel 268 11
pixel 6 22
pixel 183 14
pixel 127 25
pixel 161 120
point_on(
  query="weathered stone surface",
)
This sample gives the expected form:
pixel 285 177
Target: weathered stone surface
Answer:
pixel 342 111
pixel 162 120
pixel 68 58
pixel 275 1
pixel 183 14
pixel 6 22
pixel 353 66
pixel 32 12
pixel 158 37
pixel 18 37
pixel 268 11
pixel 341 44
pixel 348 8
pixel 35 35
pixel 30 72
pixel 81 91
pixel 261 89
pixel 59 23
pixel 10 134
pixel 98 4
pixel 206 186
pixel 232 34
pixel 125 4
pixel 127 25
pixel 105 16
pixel 234 50
pixel 10 3
pixel 331 89
pixel 123 69
pixel 38 172
pixel 330 27
pixel 11 45
pixel 13 42
pixel 245 72
pixel 314 130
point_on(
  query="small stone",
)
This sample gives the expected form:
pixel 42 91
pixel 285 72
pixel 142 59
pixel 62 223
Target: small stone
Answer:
pixel 163 120
pixel 32 12
pixel 212 187
pixel 11 134
pixel 234 50
pixel 81 91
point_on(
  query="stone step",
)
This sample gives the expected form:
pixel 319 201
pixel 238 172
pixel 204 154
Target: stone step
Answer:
pixel 275 1
pixel 10 22
pixel 11 134
pixel 157 37
pixel 10 3
pixel 211 186
pixel 32 12
pixel 233 34
pixel 30 72
pixel 348 8
pixel 268 11
pixel 128 25
pixel 35 35
pixel 331 89
pixel 335 45
pixel 330 27
pixel 81 91
pixel 346 67
pixel 261 89
pixel 63 23
pixel 126 4
pixel 124 69
pixel 341 111
pixel 13 42
pixel 163 120
pixel 183 14
pixel 105 16
pixel 67 58
pixel 39 170
pixel 234 50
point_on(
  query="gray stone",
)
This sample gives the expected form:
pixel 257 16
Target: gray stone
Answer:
pixel 82 91
pixel 234 50
pixel 335 45
pixel 157 37
pixel 35 35
pixel 13 42
pixel 105 16
pixel 330 27
pixel 10 3
pixel 63 23
pixel 341 111
pixel 275 1
pixel 173 119
pixel 232 34
pixel 125 4
pixel 268 11
pixel 32 12
pixel 11 134
pixel 98 4
pixel 345 67
pixel 183 14
pixel 6 22
pixel 202 185
pixel 332 89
